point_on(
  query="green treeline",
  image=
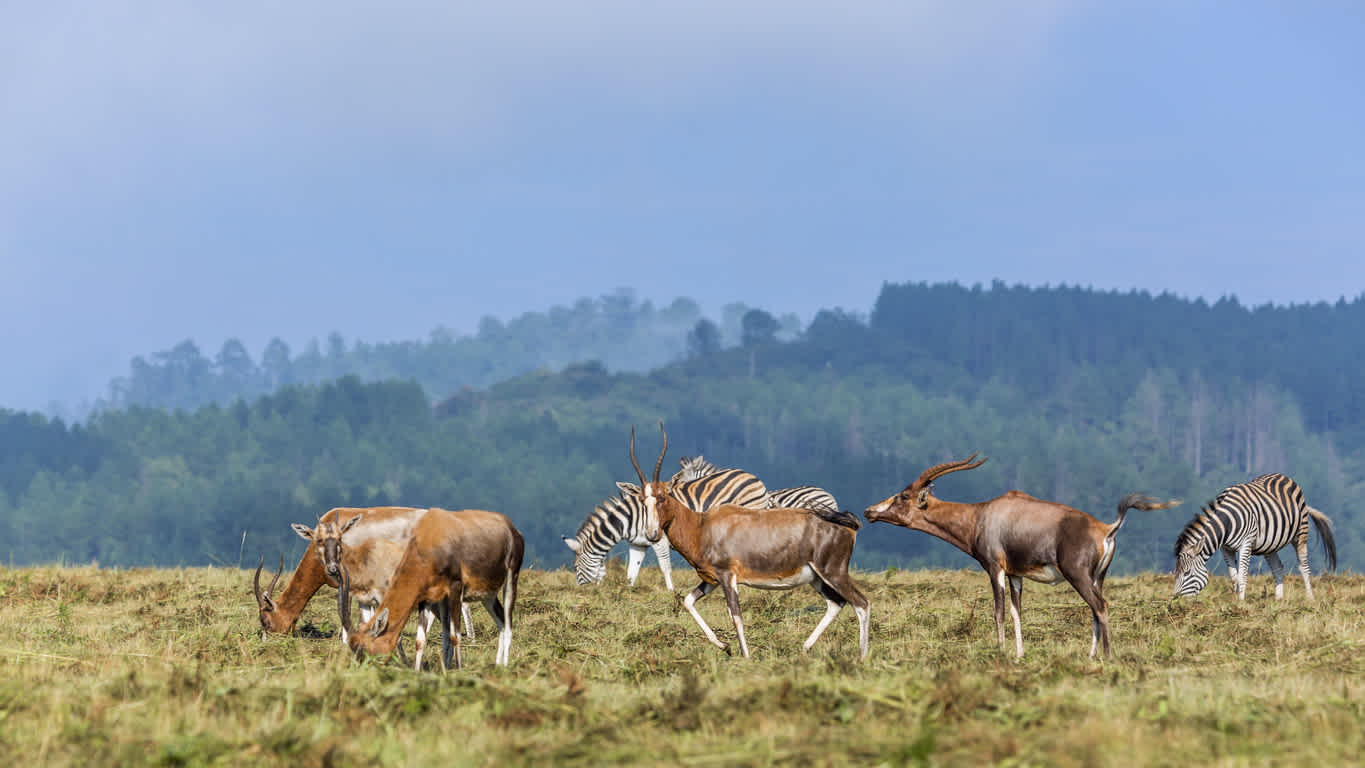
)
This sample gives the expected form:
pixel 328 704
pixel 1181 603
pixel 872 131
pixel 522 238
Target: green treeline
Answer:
pixel 1075 395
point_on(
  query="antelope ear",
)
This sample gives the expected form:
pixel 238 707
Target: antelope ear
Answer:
pixel 349 524
pixel 381 623
pixel 572 543
pixel 923 498
pixel 630 489
pixel 303 531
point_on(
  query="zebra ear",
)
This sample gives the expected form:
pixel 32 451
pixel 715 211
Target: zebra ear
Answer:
pixel 573 544
pixel 303 531
pixel 630 489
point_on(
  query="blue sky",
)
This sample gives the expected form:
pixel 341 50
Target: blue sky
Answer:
pixel 189 171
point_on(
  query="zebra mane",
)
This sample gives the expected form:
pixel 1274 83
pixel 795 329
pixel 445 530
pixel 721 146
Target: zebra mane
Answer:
pixel 1196 530
pixel 604 510
pixel 693 467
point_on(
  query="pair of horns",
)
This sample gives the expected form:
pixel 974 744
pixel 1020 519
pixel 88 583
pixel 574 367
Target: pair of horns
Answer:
pixel 939 470
pixel 263 598
pixel 658 464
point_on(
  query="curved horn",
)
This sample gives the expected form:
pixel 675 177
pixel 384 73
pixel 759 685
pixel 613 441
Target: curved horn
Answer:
pixel 256 584
pixel 659 464
pixel 271 589
pixel 633 462
pixel 939 470
pixel 344 600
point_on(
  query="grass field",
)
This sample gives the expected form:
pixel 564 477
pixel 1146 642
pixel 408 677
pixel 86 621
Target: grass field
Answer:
pixel 167 667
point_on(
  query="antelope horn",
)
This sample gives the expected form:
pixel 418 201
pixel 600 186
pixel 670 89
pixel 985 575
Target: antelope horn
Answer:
pixel 660 463
pixel 939 470
pixel 256 583
pixel 633 462
pixel 271 590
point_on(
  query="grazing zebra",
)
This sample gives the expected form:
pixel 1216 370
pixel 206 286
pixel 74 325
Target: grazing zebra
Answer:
pixel 624 517
pixel 1254 518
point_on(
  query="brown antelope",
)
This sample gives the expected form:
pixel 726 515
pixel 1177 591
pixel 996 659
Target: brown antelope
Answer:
pixel 451 556
pixel 765 548
pixel 377 544
pixel 384 557
pixel 1016 537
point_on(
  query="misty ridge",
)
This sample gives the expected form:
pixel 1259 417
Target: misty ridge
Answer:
pixel 1076 395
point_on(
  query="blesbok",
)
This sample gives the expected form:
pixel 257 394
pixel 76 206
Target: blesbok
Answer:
pixel 327 537
pixel 764 548
pixel 452 555
pixel 1016 537
pixel 377 544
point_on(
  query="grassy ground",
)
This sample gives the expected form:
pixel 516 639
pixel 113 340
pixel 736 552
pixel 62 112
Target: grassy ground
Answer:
pixel 168 667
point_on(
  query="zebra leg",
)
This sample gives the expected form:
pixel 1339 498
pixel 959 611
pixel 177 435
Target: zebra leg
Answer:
pixel 1301 547
pixel 1230 559
pixel 637 557
pixel 663 552
pixel 1272 559
pixel 1243 569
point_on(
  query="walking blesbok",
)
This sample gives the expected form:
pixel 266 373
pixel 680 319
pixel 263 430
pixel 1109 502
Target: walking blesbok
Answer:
pixel 625 517
pixel 452 555
pixel 377 542
pixel 1016 537
pixel 764 548
pixel 327 537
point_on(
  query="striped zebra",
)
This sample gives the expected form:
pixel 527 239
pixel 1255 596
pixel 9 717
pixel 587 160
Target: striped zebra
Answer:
pixel 1253 518
pixel 811 497
pixel 624 517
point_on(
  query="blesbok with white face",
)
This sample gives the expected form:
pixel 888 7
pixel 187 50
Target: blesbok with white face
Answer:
pixel 764 548
pixel 453 555
pixel 1016 537
pixel 377 543
pixel 327 537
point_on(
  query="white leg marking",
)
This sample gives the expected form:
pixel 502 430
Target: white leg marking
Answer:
pixel 468 621
pixel 864 622
pixel 689 603
pixel 831 610
pixel 1016 587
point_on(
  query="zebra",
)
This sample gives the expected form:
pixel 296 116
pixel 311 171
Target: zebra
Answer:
pixel 624 517
pixel 1253 518
pixel 811 497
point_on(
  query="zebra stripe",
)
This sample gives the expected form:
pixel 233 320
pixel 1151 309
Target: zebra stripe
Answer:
pixel 810 497
pixel 623 517
pixel 1259 517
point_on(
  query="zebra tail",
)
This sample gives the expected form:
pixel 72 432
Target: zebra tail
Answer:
pixel 1138 501
pixel 1329 542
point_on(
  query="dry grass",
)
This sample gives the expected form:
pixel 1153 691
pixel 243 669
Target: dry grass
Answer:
pixel 167 667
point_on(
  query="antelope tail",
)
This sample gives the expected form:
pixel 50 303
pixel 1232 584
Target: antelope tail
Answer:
pixel 1137 501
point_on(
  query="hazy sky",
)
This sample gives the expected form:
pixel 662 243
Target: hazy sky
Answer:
pixel 175 170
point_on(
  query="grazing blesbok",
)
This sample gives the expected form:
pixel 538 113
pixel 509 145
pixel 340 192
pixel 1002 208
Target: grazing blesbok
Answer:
pixel 764 548
pixel 1016 537
pixel 327 537
pixel 377 542
pixel 452 555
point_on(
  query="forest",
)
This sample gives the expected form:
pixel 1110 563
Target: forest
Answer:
pixel 1075 395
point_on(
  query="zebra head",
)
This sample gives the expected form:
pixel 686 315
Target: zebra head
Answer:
pixel 1191 573
pixel 589 564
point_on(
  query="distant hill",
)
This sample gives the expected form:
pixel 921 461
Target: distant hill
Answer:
pixel 1074 395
